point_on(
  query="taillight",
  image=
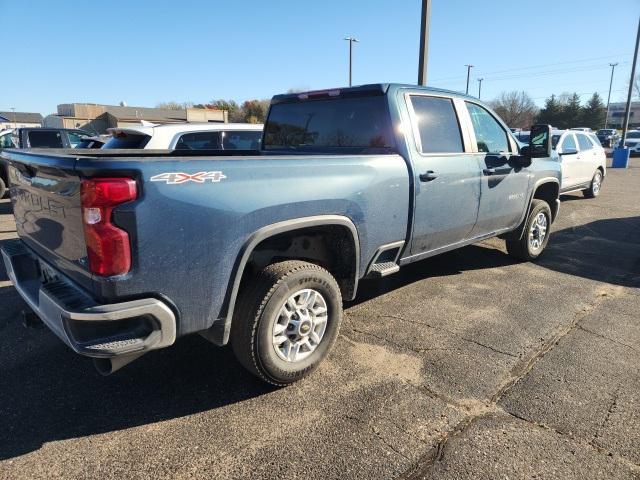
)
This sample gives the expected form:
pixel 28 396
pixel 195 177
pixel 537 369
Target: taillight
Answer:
pixel 108 247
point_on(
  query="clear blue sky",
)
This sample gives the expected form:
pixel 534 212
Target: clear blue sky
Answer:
pixel 145 52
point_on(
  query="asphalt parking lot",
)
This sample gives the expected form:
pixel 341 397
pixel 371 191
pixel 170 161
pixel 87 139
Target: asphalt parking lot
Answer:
pixel 467 365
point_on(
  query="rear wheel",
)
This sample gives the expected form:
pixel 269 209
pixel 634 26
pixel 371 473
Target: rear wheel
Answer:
pixel 536 233
pixel 286 321
pixel 596 185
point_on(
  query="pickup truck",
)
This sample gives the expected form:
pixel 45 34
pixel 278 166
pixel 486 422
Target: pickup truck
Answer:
pixel 121 252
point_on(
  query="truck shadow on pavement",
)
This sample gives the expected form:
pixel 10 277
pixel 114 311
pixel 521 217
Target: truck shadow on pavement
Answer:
pixel 48 393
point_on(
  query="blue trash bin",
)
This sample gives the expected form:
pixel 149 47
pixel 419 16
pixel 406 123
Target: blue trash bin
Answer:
pixel 620 158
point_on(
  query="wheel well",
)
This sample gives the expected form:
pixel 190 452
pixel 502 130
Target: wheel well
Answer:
pixel 330 246
pixel 601 169
pixel 549 193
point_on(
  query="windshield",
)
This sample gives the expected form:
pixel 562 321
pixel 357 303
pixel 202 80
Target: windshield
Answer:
pixel 352 124
pixel 604 132
pixel 554 140
pixel 633 135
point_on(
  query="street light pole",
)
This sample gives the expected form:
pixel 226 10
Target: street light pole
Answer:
pixel 424 43
pixel 351 42
pixel 468 73
pixel 480 87
pixel 613 67
pixel 633 74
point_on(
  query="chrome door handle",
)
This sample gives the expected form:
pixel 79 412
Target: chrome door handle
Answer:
pixel 428 176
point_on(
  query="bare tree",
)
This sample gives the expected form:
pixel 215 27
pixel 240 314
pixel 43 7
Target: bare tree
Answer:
pixel 174 105
pixel 517 109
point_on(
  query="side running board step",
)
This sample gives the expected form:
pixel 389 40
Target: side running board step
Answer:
pixel 379 270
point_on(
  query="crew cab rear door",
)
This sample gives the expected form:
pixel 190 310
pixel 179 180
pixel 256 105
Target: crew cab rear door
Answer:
pixel 504 184
pixel 447 179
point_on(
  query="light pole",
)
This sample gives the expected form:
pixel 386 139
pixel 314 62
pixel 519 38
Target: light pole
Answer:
pixel 13 109
pixel 351 42
pixel 625 125
pixel 469 67
pixel 480 87
pixel 424 43
pixel 613 67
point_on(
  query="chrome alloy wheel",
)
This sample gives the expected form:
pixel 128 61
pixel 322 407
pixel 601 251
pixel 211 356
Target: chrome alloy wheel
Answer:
pixel 538 232
pixel 300 325
pixel 596 183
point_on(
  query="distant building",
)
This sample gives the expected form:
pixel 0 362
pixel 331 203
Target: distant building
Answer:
pixel 616 115
pixel 19 120
pixel 97 118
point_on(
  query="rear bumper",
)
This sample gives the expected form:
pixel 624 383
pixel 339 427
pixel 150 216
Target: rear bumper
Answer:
pixel 89 328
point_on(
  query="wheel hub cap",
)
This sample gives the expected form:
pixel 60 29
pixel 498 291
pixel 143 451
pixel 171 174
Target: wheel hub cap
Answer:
pixel 300 325
pixel 538 232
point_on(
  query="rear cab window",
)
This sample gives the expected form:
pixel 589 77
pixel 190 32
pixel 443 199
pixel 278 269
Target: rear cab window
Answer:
pixel 45 139
pixel 436 122
pixel 350 124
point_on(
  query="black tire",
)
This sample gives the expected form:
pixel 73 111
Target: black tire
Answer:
pixel 592 192
pixel 257 310
pixel 521 248
pixel 3 188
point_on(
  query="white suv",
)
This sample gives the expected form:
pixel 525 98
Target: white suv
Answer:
pixel 583 160
pixel 187 136
pixel 633 142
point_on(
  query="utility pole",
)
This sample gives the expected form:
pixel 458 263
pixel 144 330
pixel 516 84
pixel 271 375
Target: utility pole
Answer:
pixel 480 87
pixel 15 124
pixel 625 125
pixel 613 67
pixel 424 43
pixel 469 67
pixel 351 42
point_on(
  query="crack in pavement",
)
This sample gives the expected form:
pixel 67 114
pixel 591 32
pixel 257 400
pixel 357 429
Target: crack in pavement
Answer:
pixel 377 434
pixel 457 335
pixel 617 342
pixel 518 372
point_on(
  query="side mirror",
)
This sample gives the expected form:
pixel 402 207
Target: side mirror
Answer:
pixel 568 151
pixel 540 141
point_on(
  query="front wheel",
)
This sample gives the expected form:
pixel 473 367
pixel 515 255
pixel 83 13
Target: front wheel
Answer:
pixel 596 185
pixel 286 321
pixel 536 233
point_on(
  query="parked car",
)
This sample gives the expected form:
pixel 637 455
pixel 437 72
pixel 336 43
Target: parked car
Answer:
pixel 188 136
pixel 36 138
pixel 632 142
pixel 124 255
pixel 583 160
pixel 608 137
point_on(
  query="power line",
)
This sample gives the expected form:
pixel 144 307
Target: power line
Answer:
pixel 537 66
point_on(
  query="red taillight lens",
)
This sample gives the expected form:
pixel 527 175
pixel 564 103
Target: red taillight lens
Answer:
pixel 108 247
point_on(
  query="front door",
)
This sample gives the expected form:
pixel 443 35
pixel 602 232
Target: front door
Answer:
pixel 504 185
pixel 447 180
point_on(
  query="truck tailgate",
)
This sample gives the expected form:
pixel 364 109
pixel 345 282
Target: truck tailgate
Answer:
pixel 45 192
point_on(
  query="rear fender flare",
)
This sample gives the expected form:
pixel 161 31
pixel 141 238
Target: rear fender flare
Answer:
pixel 221 328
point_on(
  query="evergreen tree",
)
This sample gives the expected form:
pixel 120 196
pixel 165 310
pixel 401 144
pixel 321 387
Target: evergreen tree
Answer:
pixel 551 113
pixel 571 113
pixel 593 113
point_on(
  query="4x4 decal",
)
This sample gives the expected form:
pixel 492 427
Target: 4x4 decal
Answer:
pixel 175 178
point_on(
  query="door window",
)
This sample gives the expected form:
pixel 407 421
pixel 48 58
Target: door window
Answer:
pixel 199 141
pixel 568 144
pixel 437 125
pixel 584 142
pixel 490 136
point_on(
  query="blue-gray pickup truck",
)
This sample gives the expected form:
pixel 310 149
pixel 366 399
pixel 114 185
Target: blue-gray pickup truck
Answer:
pixel 122 252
